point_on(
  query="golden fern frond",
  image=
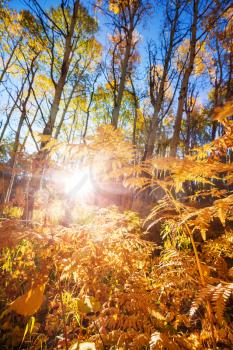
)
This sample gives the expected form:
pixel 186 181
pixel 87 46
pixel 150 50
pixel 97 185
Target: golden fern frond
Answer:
pixel 161 341
pixel 218 301
pixel 218 295
pixel 200 299
pixel 139 342
pixel 220 298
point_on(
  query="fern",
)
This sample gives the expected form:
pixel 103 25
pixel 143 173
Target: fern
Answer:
pixel 160 341
pixel 220 298
pixel 218 295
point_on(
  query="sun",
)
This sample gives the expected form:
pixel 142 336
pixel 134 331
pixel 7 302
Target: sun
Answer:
pixel 78 184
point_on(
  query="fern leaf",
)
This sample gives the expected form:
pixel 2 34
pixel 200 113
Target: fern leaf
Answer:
pixel 220 297
pixel 200 299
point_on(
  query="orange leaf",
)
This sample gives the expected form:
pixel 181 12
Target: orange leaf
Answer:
pixel 30 302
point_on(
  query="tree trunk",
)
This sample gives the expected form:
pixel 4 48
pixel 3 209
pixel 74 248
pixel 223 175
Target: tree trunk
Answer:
pixel 40 159
pixel 117 106
pixel 229 93
pixel 185 81
pixel 216 103
pixel 217 88
pixel 24 108
pixel 58 129
pixel 13 161
pixel 149 147
pixel 153 128
pixel 136 106
pixel 9 60
pixel 12 110
pixel 48 130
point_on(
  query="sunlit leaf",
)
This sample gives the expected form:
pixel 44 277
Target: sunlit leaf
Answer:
pixel 30 302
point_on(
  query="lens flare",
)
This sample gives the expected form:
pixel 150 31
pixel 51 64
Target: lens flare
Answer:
pixel 78 183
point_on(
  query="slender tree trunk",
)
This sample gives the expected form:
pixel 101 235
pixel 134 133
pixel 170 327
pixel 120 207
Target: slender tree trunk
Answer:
pixel 153 128
pixel 13 160
pixel 24 107
pixel 229 93
pixel 12 110
pixel 30 131
pixel 48 130
pixel 72 127
pixel 9 60
pixel 135 121
pixel 136 106
pixel 89 107
pixel 58 129
pixel 217 88
pixel 117 106
pixel 216 102
pixel 11 183
pixel 149 147
pixel 188 132
pixel 185 81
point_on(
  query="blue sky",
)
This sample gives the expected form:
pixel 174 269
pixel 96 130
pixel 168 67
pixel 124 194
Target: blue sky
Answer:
pixel 149 30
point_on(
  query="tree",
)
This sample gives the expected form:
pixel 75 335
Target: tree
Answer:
pixel 65 30
pixel 200 11
pixel 125 17
pixel 219 64
pixel 19 33
pixel 160 76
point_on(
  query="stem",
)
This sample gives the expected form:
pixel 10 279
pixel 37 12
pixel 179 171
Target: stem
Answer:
pixel 63 314
pixel 101 338
pixel 199 268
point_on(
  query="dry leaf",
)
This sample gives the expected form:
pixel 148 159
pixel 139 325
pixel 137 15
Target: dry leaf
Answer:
pixel 30 302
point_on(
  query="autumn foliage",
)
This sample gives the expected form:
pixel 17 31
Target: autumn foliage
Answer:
pixel 99 282
pixel 116 175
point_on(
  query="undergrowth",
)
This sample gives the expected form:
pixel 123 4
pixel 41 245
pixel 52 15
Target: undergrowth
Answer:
pixel 102 285
pixel 98 284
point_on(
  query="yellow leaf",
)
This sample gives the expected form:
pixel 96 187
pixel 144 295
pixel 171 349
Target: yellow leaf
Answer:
pixel 88 304
pixel 44 138
pixel 74 346
pixel 114 8
pixel 203 233
pixel 222 214
pixel 87 346
pixel 157 315
pixel 30 302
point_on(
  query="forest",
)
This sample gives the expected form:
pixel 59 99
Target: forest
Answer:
pixel 116 174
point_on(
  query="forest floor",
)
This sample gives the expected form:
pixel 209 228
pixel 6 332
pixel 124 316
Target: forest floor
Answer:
pixel 99 284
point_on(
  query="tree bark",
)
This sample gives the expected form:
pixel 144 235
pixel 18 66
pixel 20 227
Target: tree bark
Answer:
pixel 58 129
pixel 24 107
pixel 48 130
pixel 185 81
pixel 157 104
pixel 217 87
pixel 136 106
pixel 40 159
pixel 117 106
